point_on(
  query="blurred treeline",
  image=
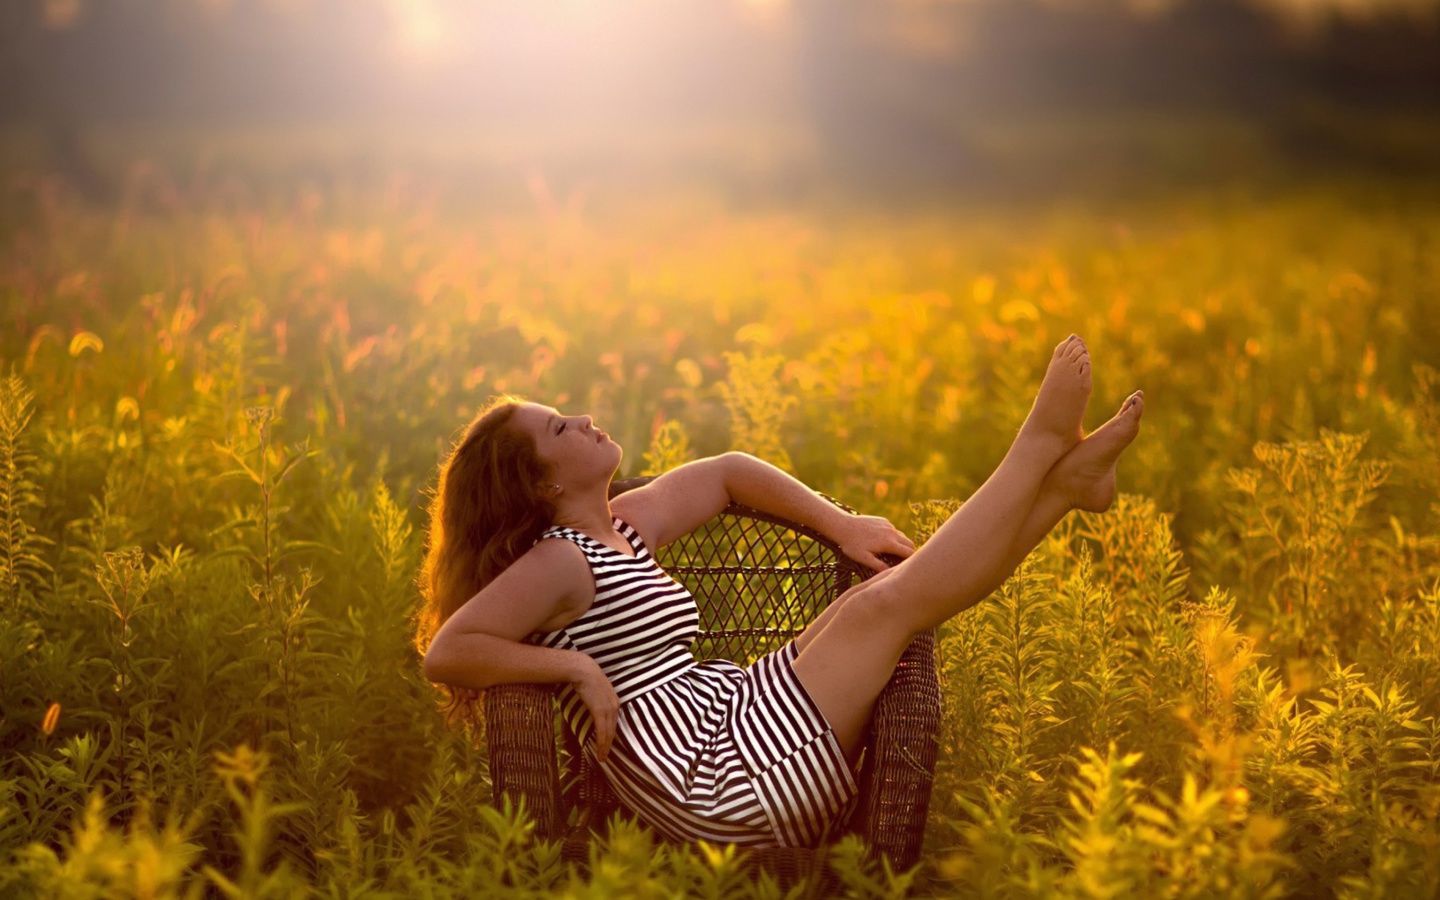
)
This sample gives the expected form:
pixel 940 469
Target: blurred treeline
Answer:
pixel 892 94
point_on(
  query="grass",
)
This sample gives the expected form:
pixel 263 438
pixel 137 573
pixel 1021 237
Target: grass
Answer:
pixel 224 400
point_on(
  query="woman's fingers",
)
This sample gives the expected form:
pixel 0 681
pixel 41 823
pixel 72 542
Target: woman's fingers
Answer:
pixel 600 698
pixel 895 534
pixel 869 536
pixel 604 734
pixel 902 537
pixel 896 544
pixel 884 570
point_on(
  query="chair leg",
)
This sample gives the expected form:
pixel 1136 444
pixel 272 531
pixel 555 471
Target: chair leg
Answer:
pixel 520 735
pixel 899 769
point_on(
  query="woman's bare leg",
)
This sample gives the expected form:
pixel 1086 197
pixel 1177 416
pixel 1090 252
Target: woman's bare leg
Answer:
pixel 844 665
pixel 1050 431
pixel 1084 478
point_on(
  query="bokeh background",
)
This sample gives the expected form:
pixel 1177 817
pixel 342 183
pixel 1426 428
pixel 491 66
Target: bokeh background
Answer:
pixel 261 260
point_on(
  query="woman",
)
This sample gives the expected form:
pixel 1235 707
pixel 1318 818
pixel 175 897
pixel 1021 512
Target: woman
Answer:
pixel 759 755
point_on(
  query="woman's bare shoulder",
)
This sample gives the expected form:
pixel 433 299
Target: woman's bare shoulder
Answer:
pixel 542 586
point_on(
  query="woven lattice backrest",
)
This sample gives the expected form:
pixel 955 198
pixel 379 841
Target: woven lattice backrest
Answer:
pixel 757 583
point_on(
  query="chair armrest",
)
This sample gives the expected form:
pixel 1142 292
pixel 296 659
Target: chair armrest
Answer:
pixel 520 737
pixel 900 769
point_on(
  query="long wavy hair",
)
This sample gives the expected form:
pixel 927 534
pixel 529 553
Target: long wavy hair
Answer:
pixel 486 512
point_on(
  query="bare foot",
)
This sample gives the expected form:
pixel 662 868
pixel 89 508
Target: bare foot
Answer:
pixel 1060 406
pixel 1086 475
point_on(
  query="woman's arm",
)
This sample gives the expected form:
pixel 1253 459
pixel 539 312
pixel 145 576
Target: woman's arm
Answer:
pixel 757 484
pixel 689 495
pixel 481 644
pixel 549 585
pixel 476 660
pixel 489 660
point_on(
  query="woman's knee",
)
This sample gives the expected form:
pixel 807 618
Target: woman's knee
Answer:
pixel 878 608
pixel 868 584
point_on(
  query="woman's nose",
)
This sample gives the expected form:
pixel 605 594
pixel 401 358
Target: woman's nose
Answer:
pixel 588 422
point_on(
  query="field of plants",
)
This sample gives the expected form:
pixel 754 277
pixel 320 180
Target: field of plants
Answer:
pixel 222 406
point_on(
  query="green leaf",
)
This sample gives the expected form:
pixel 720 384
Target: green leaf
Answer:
pixel 289 547
pixel 223 552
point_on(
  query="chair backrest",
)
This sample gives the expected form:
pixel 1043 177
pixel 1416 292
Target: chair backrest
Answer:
pixel 757 579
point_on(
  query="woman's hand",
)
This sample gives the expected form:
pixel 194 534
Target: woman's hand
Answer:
pixel 599 696
pixel 863 538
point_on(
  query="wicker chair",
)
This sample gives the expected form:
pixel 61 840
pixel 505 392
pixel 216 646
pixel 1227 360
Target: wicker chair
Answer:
pixel 758 580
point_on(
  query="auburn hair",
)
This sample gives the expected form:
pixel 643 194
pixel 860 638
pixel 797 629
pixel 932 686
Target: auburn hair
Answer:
pixel 485 514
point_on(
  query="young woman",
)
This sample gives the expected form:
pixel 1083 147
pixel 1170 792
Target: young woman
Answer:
pixel 759 755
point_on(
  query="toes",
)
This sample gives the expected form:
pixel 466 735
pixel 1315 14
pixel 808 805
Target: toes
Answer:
pixel 1135 401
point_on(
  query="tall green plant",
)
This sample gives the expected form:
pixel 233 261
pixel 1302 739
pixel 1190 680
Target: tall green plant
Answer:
pixel 1024 684
pixel 1099 682
pixel 282 600
pixel 1138 557
pixel 244 773
pixel 1297 522
pixel 757 406
pixel 21 564
pixel 669 447
pixel 124 580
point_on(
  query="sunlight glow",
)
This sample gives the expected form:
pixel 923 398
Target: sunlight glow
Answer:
pixel 419 28
pixel 61 14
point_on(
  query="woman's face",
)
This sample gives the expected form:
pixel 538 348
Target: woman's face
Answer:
pixel 577 452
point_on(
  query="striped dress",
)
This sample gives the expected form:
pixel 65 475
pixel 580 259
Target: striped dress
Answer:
pixel 703 750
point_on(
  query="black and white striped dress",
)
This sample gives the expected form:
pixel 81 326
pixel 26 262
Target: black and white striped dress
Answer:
pixel 703 749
